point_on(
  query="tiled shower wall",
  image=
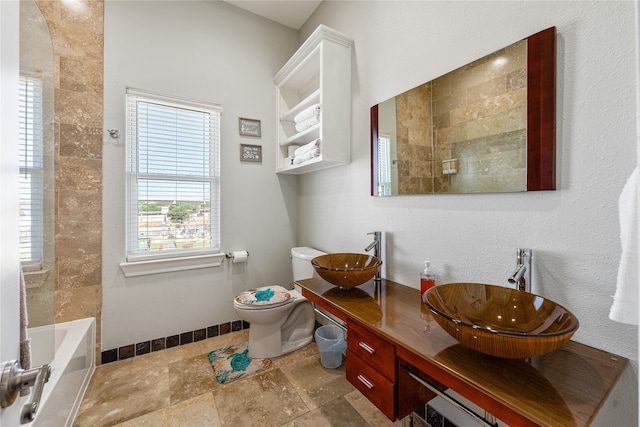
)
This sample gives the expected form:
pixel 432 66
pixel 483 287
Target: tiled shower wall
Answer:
pixel 77 32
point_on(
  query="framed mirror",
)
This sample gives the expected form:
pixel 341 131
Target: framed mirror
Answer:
pixel 486 127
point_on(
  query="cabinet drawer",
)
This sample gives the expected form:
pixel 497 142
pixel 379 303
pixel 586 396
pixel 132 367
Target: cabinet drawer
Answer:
pixel 372 349
pixel 374 386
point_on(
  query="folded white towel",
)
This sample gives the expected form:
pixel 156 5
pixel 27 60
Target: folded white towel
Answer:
pixel 306 156
pixel 307 147
pixel 307 124
pixel 625 301
pixel 307 113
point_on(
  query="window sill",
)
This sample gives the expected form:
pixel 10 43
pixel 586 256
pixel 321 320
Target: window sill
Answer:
pixel 32 267
pixel 156 266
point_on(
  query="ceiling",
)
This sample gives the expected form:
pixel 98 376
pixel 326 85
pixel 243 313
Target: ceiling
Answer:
pixel 292 13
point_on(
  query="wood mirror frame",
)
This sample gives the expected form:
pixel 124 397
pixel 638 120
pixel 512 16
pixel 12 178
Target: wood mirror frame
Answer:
pixel 541 116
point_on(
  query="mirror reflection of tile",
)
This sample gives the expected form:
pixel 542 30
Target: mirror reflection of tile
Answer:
pixel 472 120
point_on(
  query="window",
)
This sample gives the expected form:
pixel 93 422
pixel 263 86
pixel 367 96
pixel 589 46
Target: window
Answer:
pixel 31 169
pixel 173 179
pixel 384 165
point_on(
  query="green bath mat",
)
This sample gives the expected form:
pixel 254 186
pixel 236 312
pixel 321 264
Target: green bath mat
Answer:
pixel 231 363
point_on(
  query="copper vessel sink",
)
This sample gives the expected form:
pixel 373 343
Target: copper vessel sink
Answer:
pixel 346 270
pixel 499 321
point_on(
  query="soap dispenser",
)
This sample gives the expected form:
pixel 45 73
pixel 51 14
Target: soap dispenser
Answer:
pixel 427 279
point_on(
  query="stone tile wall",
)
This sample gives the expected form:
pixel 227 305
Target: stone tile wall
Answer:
pixel 77 32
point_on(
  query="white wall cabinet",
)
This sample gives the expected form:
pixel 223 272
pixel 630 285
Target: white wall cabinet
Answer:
pixel 318 73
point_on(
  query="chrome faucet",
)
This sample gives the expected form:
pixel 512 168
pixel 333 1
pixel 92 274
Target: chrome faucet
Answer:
pixel 521 276
pixel 375 245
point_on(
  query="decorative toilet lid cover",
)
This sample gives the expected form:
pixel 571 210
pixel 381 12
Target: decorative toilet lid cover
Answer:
pixel 265 296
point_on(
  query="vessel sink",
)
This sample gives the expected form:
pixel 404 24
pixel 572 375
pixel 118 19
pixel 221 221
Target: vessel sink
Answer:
pixel 499 321
pixel 346 270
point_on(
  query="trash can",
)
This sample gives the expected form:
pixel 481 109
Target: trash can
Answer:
pixel 331 345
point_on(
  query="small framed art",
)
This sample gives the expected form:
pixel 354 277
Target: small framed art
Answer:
pixel 250 153
pixel 249 127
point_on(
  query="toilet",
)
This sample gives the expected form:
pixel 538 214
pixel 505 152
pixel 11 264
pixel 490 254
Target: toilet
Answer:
pixel 281 320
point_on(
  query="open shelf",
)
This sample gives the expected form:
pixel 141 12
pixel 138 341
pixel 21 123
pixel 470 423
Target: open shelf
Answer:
pixel 318 73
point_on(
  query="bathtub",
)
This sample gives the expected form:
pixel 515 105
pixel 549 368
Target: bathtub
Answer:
pixel 72 367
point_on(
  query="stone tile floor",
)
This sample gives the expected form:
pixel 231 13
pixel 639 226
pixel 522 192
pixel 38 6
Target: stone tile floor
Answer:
pixel 176 387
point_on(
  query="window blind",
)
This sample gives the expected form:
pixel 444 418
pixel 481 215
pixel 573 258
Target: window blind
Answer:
pixel 30 118
pixel 173 180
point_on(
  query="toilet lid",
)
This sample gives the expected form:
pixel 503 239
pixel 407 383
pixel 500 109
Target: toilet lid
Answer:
pixel 268 296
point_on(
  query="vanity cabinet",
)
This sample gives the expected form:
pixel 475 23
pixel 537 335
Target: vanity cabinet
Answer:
pixel 394 348
pixel 318 74
pixel 371 367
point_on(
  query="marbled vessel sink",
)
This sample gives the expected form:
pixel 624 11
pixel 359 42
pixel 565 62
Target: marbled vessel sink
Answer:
pixel 499 321
pixel 346 270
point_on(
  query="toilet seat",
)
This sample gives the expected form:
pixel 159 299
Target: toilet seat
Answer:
pixel 263 298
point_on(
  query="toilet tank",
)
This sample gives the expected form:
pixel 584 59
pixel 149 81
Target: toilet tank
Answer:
pixel 301 262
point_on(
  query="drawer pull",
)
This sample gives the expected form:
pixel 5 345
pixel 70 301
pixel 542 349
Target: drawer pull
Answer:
pixel 367 347
pixel 365 381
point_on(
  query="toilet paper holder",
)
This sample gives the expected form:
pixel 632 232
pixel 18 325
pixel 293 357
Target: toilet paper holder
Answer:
pixel 230 254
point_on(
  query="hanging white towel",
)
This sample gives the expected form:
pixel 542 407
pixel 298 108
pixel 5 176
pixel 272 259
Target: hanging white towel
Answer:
pixel 307 124
pixel 307 113
pixel 625 301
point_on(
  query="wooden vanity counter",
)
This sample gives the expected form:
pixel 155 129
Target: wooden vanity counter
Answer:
pixel 566 387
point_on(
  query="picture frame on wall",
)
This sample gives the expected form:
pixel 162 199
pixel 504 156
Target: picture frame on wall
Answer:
pixel 250 153
pixel 249 127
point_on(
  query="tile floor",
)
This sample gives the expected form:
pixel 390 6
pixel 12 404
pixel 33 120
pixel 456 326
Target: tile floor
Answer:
pixel 176 387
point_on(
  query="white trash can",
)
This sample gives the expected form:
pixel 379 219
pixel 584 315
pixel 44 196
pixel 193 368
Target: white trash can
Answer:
pixel 331 345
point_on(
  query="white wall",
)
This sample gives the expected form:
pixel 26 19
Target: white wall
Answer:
pixel 574 231
pixel 201 51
